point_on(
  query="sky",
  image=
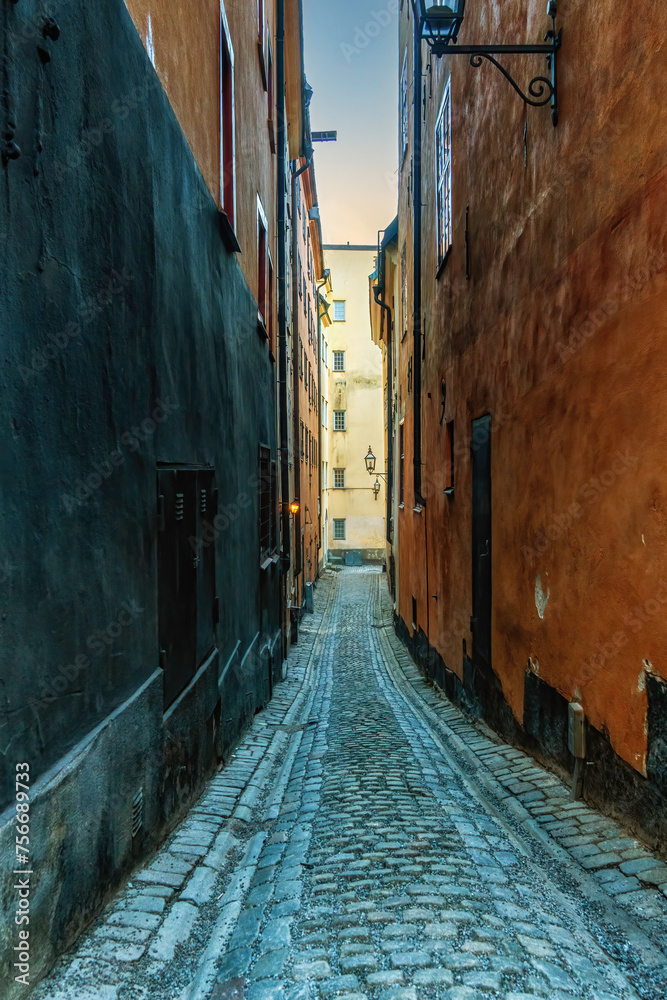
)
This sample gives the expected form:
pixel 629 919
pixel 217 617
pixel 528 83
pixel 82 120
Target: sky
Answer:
pixel 351 52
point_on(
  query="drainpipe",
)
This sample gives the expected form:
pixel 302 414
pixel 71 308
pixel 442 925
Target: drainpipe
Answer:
pixel 417 259
pixel 282 292
pixel 286 553
pixel 377 291
pixel 296 391
pixel 319 410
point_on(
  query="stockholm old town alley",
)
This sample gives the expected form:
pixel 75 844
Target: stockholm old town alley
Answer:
pixel 333 500
pixel 366 840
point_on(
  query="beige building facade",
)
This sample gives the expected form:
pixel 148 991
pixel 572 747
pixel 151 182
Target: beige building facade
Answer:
pixel 356 524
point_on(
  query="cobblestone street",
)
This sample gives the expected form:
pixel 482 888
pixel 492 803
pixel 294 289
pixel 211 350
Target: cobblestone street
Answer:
pixel 368 841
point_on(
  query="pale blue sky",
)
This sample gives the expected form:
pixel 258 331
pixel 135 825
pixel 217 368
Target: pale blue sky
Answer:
pixel 351 64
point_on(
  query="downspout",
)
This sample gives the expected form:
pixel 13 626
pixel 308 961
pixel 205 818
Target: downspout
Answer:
pixel 296 392
pixel 282 294
pixel 417 259
pixel 286 552
pixel 319 410
pixel 377 291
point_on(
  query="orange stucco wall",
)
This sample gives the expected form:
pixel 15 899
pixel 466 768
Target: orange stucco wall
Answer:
pixel 560 334
pixel 309 407
pixel 190 74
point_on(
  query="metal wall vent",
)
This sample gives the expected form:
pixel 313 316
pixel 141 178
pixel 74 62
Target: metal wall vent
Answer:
pixel 137 812
pixel 180 506
pixel 203 500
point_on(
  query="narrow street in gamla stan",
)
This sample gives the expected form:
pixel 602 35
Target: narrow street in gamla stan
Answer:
pixel 333 500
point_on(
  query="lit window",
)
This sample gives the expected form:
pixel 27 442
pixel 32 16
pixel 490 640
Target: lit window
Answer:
pixel 339 361
pixel 340 533
pixel 404 106
pixel 227 128
pixel 443 172
pixel 340 422
pixel 339 479
pixel 339 311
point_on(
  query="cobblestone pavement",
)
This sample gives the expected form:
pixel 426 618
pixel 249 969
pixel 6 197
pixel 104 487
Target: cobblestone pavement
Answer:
pixel 368 841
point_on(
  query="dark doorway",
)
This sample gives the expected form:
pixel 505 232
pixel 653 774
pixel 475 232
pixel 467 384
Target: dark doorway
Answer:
pixel 187 603
pixel 480 623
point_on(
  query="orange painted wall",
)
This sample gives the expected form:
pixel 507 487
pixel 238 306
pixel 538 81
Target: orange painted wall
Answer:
pixel 190 74
pixel 309 408
pixel 561 334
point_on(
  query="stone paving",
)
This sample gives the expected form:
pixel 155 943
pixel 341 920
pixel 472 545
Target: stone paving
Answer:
pixel 368 841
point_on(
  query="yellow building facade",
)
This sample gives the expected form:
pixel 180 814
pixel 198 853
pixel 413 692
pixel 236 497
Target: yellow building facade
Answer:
pixel 356 525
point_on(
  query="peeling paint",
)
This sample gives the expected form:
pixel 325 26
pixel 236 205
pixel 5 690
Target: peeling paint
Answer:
pixel 541 598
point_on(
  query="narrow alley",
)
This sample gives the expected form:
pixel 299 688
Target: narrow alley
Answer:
pixel 367 840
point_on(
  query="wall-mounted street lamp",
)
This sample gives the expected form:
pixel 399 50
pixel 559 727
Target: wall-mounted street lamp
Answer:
pixel 370 467
pixel 376 488
pixel 294 508
pixel 440 24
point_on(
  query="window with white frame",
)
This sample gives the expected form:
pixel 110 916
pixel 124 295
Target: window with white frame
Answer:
pixel 227 123
pixel 339 479
pixel 340 533
pixel 339 361
pixel 404 106
pixel 443 174
pixel 262 250
pixel 340 420
pixel 339 311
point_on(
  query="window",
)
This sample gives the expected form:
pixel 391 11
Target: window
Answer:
pixel 340 421
pixel 300 359
pixel 404 107
pixel 264 504
pixel 340 533
pixel 339 361
pixel 449 470
pixel 404 293
pixel 227 127
pixel 270 96
pixel 401 451
pixel 443 174
pixel 339 311
pixel 303 449
pixel 261 264
pixel 271 327
pixel 339 479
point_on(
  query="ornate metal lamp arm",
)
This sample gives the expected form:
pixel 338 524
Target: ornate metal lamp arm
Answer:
pixel 542 90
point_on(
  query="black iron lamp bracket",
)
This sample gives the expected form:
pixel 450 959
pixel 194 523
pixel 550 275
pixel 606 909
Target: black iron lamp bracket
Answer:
pixel 542 90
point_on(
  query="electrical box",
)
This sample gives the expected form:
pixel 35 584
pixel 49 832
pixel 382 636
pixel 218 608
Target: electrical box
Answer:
pixel 577 730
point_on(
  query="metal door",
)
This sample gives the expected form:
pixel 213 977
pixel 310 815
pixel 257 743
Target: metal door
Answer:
pixel 207 603
pixel 480 623
pixel 177 580
pixel 187 602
